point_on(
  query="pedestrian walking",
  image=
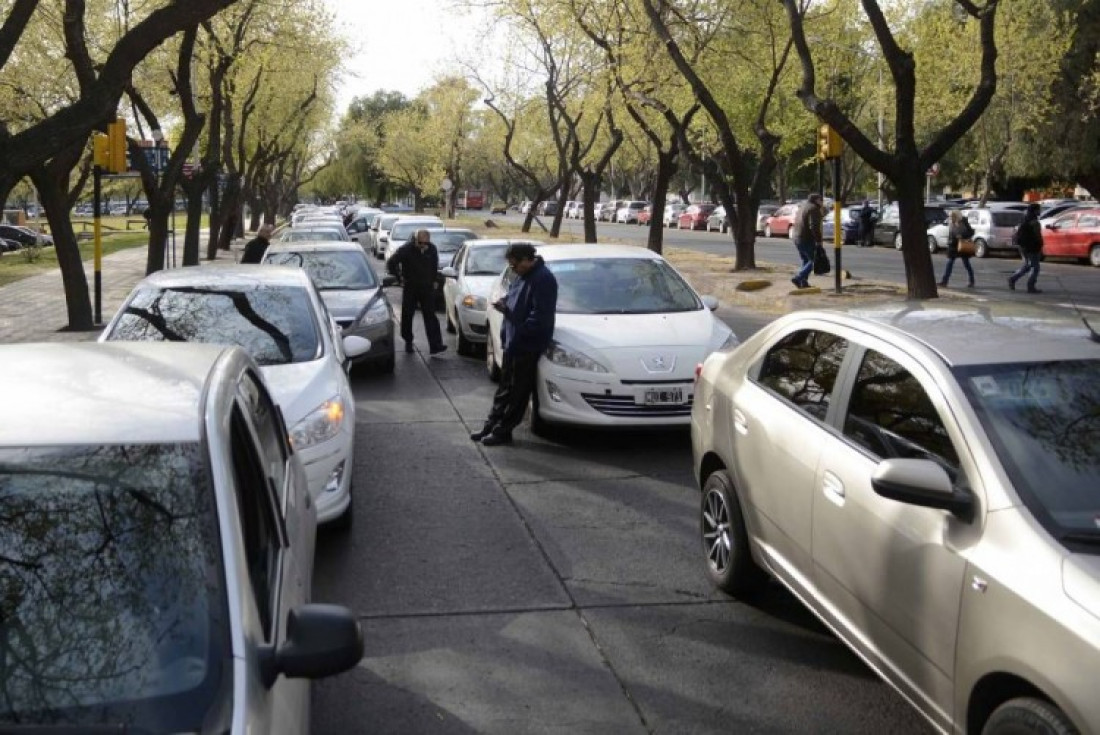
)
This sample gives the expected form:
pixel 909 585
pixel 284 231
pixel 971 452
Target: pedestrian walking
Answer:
pixel 528 327
pixel 1029 239
pixel 807 237
pixel 416 266
pixel 866 225
pixel 255 248
pixel 959 245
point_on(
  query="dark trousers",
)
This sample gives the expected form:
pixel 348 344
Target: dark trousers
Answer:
pixel 423 298
pixel 517 381
pixel 1031 263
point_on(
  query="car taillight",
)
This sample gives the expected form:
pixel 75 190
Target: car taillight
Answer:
pixel 698 371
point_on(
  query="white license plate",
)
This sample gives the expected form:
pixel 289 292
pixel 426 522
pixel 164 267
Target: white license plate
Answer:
pixel 662 397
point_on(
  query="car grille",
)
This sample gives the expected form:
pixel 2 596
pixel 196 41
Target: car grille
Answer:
pixel 625 406
pixel 479 328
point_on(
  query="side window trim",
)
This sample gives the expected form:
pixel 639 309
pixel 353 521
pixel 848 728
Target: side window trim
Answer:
pixel 277 496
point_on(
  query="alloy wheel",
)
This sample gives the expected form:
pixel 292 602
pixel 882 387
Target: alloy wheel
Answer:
pixel 716 532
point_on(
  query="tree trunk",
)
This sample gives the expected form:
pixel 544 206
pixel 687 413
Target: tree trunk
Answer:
pixel 590 185
pixel 53 196
pixel 160 209
pixel 563 197
pixel 919 276
pixel 666 169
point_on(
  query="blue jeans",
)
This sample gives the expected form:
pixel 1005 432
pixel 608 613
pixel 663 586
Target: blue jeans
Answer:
pixel 806 252
pixel 1031 263
pixel 951 264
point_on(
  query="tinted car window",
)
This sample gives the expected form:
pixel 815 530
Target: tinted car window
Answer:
pixel 891 415
pixel 274 324
pixel 803 366
pixel 112 605
pixel 332 269
pixel 621 286
pixel 1007 218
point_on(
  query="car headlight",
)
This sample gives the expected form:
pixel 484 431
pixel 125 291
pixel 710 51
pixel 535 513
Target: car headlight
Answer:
pixel 319 425
pixel 477 303
pixel 559 354
pixel 730 343
pixel 377 312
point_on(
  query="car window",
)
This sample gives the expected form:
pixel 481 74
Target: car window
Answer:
pixel 891 415
pixel 1007 218
pixel 486 261
pixel 1088 220
pixel 262 542
pixel 802 367
pixel 269 430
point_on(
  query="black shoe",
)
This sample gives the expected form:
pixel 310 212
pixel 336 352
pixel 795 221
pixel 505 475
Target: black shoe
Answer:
pixel 409 347
pixel 1032 289
pixel 1011 285
pixel 496 439
pixel 943 284
pixel 437 349
pixel 485 431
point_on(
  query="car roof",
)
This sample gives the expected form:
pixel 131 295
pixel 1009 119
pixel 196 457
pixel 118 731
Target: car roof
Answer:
pixel 313 245
pixel 104 393
pixel 227 276
pixel 977 334
pixel 497 241
pixel 567 251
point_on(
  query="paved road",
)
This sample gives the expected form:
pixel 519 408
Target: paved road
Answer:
pixel 1063 282
pixel 556 587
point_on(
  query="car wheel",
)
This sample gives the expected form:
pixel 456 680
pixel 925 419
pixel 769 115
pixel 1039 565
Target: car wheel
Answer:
pixel 981 249
pixel 933 244
pixel 491 362
pixel 1094 255
pixel 1028 715
pixel 897 241
pixel 342 523
pixel 767 230
pixel 465 346
pixel 729 563
pixel 450 323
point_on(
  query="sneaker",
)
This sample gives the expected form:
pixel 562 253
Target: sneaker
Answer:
pixel 1011 285
pixel 495 439
pixel 437 349
pixel 409 348
pixel 485 431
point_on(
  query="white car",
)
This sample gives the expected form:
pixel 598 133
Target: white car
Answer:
pixel 629 211
pixel 628 335
pixel 466 286
pixel 404 228
pixel 277 316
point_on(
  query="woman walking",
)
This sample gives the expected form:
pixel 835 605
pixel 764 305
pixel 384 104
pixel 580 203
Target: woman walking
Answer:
pixel 959 229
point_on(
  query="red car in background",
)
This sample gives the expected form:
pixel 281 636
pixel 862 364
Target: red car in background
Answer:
pixel 695 217
pixel 645 215
pixel 1076 234
pixel 779 224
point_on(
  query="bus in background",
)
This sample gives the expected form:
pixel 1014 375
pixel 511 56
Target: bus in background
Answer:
pixel 471 199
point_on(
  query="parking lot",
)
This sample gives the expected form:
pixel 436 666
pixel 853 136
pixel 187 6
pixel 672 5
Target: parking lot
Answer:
pixel 555 586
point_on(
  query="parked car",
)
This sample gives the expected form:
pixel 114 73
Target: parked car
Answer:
pixel 277 316
pixel 402 229
pixel 924 481
pixel 25 236
pixel 671 217
pixel 629 211
pixel 716 222
pixel 645 215
pixel 695 217
pixel 763 212
pixel 308 233
pixel 782 221
pixel 158 546
pixel 1052 212
pixel 548 208
pixel 466 286
pixel 628 334
pixel 499 208
pixel 888 226
pixel 994 229
pixel 448 241
pixel 358 228
pixel 1076 234
pixel 609 209
pixel 9 246
pixel 351 291
pixel 379 228
pixel 849 225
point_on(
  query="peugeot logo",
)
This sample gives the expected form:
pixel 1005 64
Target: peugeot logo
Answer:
pixel 659 363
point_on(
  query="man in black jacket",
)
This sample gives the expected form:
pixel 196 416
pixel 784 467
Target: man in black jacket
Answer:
pixel 416 265
pixel 1029 239
pixel 526 332
pixel 256 247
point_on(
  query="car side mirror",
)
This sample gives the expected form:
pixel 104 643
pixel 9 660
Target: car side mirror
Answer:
pixel 921 482
pixel 354 345
pixel 448 272
pixel 321 640
pixel 389 281
pixel 710 302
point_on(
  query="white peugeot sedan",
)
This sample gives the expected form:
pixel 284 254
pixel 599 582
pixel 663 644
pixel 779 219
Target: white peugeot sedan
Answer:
pixel 157 544
pixel 466 286
pixel 926 479
pixel 277 316
pixel 628 335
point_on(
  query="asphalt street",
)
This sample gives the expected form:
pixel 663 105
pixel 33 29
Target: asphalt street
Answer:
pixel 556 586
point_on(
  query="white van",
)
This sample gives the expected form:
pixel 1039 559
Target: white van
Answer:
pixel 993 228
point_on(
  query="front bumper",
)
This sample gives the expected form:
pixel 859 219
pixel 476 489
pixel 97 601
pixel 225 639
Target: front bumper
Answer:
pixel 474 324
pixel 328 469
pixel 569 396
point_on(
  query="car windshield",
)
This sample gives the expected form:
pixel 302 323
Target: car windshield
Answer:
pixel 487 260
pixel 330 269
pixel 112 609
pixel 402 231
pixel 451 241
pixel 274 324
pixel 1044 422
pixel 312 234
pixel 621 286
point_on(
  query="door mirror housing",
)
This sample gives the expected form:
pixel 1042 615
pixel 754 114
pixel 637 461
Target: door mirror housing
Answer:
pixel 448 272
pixel 710 302
pixel 354 345
pixel 921 482
pixel 389 281
pixel 321 640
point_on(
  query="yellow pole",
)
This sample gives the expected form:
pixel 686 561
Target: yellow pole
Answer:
pixel 97 240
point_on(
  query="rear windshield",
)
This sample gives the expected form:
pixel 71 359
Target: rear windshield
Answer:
pixel 330 269
pixel 112 607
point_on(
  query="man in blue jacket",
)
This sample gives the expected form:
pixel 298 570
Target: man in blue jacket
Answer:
pixel 525 334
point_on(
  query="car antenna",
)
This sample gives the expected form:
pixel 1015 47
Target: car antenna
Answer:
pixel 1092 332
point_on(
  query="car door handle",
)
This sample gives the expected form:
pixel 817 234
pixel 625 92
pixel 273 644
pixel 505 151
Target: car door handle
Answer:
pixel 833 488
pixel 740 423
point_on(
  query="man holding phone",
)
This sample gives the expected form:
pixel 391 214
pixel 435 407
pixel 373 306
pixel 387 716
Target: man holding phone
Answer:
pixel 528 327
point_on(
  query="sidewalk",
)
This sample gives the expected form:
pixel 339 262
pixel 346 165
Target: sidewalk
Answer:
pixel 33 309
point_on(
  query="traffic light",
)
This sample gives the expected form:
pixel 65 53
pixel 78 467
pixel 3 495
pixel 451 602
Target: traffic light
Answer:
pixel 101 150
pixel 116 154
pixel 829 143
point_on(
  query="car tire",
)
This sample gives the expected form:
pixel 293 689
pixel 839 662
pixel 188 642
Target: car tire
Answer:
pixel 451 329
pixel 465 346
pixel 725 544
pixel 1094 255
pixel 933 244
pixel 767 230
pixel 342 523
pixel 898 244
pixel 1028 715
pixel 981 248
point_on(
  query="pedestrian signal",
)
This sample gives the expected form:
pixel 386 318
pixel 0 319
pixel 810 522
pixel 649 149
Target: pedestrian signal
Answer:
pixel 116 135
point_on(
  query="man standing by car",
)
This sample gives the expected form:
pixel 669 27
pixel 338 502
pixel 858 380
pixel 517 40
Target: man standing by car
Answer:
pixel 416 265
pixel 866 225
pixel 528 327
pixel 256 247
pixel 807 237
pixel 1029 239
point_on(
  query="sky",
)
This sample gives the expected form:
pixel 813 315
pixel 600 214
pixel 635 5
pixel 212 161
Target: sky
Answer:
pixel 401 45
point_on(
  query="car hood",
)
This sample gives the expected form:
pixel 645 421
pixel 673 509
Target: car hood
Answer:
pixel 644 346
pixel 347 304
pixel 300 387
pixel 1081 581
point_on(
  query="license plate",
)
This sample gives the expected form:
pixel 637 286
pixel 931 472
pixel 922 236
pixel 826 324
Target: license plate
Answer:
pixel 662 396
